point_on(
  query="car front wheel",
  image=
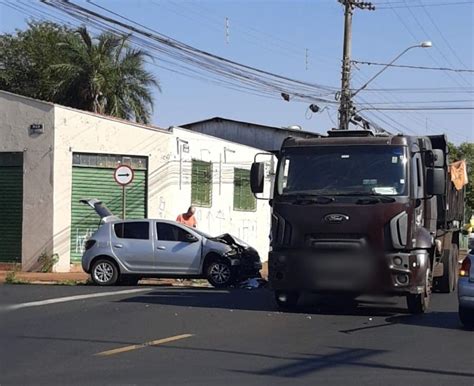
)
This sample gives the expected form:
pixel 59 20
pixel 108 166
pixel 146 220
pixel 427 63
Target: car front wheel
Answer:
pixel 219 274
pixel 104 272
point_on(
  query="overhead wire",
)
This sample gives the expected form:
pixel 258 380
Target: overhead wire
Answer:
pixel 209 62
pixel 413 67
pixel 447 60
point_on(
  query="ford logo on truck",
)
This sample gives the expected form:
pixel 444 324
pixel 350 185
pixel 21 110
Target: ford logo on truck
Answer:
pixel 335 218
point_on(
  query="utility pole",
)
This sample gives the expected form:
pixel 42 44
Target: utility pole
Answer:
pixel 345 109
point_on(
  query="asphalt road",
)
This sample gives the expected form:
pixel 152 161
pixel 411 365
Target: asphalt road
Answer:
pixel 199 336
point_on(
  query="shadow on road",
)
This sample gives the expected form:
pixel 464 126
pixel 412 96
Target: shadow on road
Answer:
pixel 305 364
pixel 262 300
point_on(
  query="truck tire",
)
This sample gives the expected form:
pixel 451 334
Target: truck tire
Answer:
pixel 447 282
pixel 419 303
pixel 286 301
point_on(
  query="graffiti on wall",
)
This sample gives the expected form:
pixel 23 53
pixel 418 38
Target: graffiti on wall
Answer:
pixel 81 238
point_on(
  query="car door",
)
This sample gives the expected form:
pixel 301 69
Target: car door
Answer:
pixel 177 251
pixel 132 244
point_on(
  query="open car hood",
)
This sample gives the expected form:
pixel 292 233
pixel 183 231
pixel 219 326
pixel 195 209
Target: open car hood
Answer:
pixel 104 213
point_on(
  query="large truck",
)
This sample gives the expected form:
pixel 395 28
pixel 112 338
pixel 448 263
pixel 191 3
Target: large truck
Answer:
pixel 356 212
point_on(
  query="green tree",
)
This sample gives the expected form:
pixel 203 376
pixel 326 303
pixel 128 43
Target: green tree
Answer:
pixel 25 58
pixel 103 75
pixel 465 151
pixel 54 63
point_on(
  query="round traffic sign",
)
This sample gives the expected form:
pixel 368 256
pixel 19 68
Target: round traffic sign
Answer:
pixel 123 175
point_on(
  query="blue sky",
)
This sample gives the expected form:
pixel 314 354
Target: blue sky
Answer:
pixel 274 35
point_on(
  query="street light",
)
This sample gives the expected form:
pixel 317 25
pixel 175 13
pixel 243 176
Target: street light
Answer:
pixel 425 44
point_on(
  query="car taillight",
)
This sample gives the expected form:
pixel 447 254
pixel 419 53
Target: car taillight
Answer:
pixel 465 267
pixel 89 244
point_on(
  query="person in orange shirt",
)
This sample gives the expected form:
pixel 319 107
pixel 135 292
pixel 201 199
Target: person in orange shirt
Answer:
pixel 188 218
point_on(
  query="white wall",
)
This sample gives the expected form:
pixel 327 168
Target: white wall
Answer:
pixel 16 115
pixel 251 226
pixel 82 132
pixel 48 173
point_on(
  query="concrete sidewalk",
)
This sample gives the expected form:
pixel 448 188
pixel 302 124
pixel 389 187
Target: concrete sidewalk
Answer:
pixel 79 278
pixel 66 278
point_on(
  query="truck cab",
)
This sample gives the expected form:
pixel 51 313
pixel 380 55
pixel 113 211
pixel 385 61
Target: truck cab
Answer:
pixel 354 212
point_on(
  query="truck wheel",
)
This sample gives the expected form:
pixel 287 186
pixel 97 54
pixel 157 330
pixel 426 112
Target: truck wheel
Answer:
pixel 286 300
pixel 419 303
pixel 446 283
pixel 455 249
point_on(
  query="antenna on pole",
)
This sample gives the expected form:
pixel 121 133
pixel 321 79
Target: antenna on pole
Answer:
pixel 227 30
pixel 306 60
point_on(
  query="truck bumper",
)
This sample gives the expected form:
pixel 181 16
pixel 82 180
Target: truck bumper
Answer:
pixel 397 273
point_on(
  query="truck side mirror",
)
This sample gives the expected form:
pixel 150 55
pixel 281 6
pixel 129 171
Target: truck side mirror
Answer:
pixel 439 158
pixel 435 181
pixel 257 177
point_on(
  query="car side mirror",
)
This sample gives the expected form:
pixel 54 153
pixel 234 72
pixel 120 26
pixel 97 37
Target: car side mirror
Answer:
pixel 435 181
pixel 190 238
pixel 257 177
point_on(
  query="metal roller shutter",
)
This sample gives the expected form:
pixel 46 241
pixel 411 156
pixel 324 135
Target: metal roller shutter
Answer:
pixel 94 182
pixel 11 206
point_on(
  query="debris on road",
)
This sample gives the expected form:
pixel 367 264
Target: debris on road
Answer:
pixel 256 282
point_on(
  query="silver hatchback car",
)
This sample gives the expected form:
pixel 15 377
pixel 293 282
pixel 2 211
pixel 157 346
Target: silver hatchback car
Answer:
pixel 124 251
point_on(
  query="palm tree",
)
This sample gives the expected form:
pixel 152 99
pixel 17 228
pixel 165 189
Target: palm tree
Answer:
pixel 103 75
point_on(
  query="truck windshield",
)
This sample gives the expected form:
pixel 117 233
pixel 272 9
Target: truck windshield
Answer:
pixel 343 170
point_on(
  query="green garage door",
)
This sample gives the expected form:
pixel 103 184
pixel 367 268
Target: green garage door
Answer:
pixel 11 206
pixel 93 177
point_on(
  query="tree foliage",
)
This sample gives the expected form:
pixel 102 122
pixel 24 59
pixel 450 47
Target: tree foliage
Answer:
pixel 465 151
pixel 54 63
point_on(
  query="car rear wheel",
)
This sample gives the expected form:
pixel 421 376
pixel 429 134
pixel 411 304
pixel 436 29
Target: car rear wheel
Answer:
pixel 219 273
pixel 104 272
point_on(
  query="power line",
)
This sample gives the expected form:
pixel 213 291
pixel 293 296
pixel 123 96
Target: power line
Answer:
pixel 447 60
pixel 392 5
pixel 406 26
pixel 417 108
pixel 442 34
pixel 413 67
pixel 191 57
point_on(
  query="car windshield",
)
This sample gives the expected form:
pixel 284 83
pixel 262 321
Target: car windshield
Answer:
pixel 343 170
pixel 200 233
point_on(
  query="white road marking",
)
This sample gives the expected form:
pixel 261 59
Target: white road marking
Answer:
pixel 13 307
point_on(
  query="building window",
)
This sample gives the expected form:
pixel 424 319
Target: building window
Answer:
pixel 243 196
pixel 109 160
pixel 201 183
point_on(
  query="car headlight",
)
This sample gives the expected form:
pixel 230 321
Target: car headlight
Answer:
pixel 233 252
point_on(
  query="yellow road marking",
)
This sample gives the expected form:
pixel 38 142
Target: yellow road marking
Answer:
pixel 146 344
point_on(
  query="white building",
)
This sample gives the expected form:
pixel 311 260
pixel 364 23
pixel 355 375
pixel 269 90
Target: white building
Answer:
pixel 52 156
